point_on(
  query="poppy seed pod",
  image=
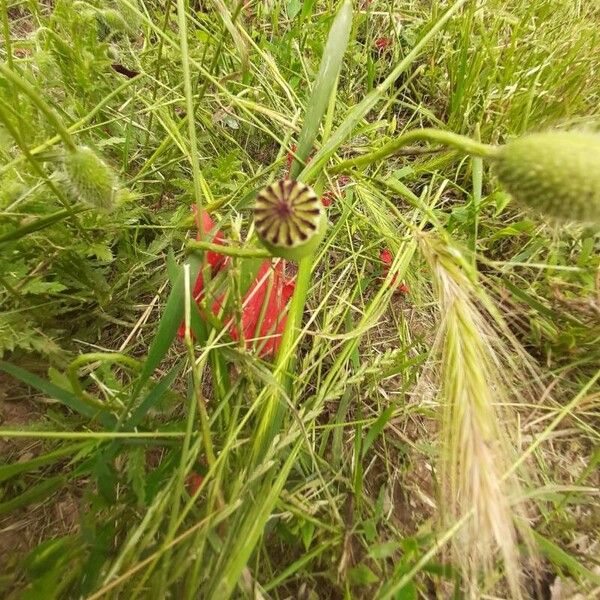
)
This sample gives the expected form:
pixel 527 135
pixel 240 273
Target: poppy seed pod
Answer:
pixel 555 173
pixel 91 179
pixel 289 219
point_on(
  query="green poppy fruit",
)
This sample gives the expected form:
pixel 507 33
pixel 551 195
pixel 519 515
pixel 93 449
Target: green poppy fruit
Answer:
pixel 91 179
pixel 289 219
pixel 555 173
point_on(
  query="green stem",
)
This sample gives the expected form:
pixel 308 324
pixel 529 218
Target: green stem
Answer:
pixel 89 435
pixel 84 359
pixel 7 40
pixel 439 136
pixel 189 102
pixel 25 87
pixel 273 411
pixel 237 252
pixel 161 43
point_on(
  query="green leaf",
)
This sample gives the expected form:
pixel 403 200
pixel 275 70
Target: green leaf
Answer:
pixel 293 8
pixel 329 69
pixel 362 575
pixel 38 286
pixel 107 479
pixel 136 473
pixel 383 550
pixel 376 429
pixel 307 530
pixel 62 396
pixel 557 556
pixel 407 592
pixel 101 252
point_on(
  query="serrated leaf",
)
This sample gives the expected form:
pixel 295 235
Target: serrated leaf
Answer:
pixel 59 379
pixel 39 286
pixel 101 252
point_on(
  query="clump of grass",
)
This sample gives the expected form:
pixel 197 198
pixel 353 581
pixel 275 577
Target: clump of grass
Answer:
pixel 478 444
pixel 305 463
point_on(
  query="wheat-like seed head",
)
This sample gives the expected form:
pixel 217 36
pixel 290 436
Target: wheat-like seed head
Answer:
pixel 477 442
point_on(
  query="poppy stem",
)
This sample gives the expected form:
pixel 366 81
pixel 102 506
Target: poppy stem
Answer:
pixel 436 136
pixel 236 252
pixel 275 404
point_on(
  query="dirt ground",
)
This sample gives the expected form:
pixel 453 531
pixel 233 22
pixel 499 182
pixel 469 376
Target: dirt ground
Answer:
pixel 22 530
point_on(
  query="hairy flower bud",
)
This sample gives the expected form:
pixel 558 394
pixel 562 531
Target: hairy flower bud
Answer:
pixel 91 179
pixel 555 173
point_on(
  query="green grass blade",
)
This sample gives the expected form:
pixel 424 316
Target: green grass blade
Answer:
pixel 329 69
pixel 557 556
pixel 167 329
pixel 32 494
pixel 39 224
pixel 9 471
pixel 344 131
pixel 59 394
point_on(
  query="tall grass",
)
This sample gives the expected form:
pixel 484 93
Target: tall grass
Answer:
pixel 477 382
pixel 189 465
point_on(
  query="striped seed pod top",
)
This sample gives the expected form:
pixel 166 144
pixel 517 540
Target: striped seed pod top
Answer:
pixel 289 219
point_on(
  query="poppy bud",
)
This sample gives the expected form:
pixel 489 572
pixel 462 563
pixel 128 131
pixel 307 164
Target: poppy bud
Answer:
pixel 556 173
pixel 114 20
pixel 91 179
pixel 289 219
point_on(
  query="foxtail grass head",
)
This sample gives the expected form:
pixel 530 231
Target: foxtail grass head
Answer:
pixel 91 179
pixel 289 219
pixel 555 173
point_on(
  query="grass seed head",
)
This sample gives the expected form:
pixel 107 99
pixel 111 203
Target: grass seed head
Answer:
pixel 91 179
pixel 555 173
pixel 476 430
pixel 289 219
